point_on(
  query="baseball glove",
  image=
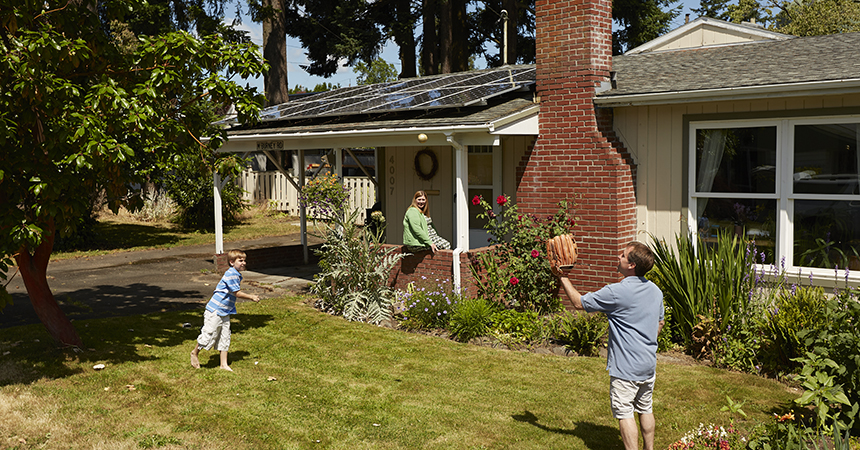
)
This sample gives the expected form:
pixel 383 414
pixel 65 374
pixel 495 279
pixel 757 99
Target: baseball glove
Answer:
pixel 561 251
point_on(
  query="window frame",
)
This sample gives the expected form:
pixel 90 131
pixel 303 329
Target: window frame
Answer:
pixel 784 186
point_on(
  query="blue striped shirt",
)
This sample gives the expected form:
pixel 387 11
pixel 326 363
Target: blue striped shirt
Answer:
pixel 223 301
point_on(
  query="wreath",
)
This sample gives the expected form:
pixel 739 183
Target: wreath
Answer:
pixel 434 164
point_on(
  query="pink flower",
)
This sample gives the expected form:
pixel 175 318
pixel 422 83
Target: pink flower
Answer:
pixel 535 253
pixel 492 215
pixel 501 200
pixel 476 200
pixel 514 280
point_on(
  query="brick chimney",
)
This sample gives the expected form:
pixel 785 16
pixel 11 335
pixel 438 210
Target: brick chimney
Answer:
pixel 576 155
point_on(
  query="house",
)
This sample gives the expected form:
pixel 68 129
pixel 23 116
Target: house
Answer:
pixel 712 126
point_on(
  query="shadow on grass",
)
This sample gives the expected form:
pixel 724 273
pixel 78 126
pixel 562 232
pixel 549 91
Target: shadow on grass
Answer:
pixel 113 236
pixel 32 355
pixel 593 435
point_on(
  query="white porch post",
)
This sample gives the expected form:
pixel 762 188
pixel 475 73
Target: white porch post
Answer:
pixel 303 218
pixel 219 225
pixel 461 208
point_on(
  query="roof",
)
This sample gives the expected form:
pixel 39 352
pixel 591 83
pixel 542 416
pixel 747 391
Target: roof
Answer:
pixel 799 66
pixel 501 103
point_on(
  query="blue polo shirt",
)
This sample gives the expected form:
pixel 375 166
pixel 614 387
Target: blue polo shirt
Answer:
pixel 223 301
pixel 634 307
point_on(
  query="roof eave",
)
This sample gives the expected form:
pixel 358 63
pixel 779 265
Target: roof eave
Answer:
pixel 829 87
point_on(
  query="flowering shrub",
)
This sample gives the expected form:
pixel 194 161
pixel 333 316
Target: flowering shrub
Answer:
pixel 428 304
pixel 320 193
pixel 711 436
pixel 522 242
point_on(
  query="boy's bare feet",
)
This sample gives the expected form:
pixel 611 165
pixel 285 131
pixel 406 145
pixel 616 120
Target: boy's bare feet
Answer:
pixel 227 368
pixel 195 363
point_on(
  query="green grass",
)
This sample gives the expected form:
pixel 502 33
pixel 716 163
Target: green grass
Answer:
pixel 337 385
pixel 122 232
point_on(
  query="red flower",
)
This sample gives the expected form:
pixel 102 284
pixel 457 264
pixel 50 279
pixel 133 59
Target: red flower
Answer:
pixel 535 253
pixel 501 200
pixel 476 201
pixel 514 280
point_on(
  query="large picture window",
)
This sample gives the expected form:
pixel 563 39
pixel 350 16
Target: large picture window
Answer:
pixel 792 186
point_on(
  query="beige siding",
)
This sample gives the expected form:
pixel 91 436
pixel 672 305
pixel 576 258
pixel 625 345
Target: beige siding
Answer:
pixel 401 182
pixel 708 35
pixel 655 137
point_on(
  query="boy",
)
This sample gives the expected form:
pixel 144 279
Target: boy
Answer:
pixel 216 319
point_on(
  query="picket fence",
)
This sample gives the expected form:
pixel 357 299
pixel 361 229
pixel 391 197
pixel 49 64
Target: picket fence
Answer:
pixel 274 189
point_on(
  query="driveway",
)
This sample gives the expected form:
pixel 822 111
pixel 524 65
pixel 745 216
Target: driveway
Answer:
pixel 141 282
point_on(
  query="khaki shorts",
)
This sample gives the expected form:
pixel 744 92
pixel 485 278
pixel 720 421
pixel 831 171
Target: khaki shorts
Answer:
pixel 215 332
pixel 627 397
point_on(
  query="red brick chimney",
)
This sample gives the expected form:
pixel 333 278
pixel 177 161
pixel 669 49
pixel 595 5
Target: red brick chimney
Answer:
pixel 576 155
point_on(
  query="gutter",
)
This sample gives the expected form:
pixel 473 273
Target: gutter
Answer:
pixel 830 87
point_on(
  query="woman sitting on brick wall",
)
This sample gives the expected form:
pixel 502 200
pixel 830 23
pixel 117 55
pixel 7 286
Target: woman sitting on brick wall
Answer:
pixel 418 230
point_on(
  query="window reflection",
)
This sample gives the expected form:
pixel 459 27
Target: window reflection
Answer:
pixel 826 159
pixel 827 234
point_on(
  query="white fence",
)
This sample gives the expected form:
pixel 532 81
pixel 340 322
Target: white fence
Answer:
pixel 274 188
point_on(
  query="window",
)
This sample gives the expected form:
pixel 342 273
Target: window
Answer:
pixel 484 181
pixel 792 185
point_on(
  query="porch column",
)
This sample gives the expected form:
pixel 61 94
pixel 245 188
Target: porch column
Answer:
pixel 219 225
pixel 461 205
pixel 303 218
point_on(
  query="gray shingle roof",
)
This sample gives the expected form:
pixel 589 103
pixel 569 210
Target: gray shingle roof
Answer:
pixel 762 63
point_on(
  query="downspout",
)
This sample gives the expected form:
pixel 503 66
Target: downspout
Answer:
pixel 461 209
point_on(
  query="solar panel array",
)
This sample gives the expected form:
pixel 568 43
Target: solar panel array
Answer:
pixel 445 91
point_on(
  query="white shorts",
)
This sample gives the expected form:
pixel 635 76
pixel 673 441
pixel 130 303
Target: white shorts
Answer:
pixel 215 332
pixel 627 397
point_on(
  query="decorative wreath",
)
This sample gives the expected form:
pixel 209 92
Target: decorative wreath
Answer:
pixel 434 164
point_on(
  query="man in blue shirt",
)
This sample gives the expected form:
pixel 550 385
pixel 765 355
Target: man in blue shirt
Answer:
pixel 634 307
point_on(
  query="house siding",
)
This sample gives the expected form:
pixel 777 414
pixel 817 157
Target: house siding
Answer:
pixel 656 136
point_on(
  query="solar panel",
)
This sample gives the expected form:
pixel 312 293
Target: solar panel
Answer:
pixel 440 91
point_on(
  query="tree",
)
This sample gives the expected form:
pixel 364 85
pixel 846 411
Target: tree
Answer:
pixel 716 9
pixel 85 109
pixel 377 71
pixel 487 31
pixel 815 18
pixel 640 21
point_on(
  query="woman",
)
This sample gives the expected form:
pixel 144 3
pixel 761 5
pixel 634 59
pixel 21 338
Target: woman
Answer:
pixel 418 231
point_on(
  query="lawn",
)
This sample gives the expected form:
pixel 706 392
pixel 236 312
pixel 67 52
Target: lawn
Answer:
pixel 304 379
pixel 124 232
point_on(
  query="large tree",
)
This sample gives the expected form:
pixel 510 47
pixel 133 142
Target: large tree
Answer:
pixel 82 106
pixel 640 21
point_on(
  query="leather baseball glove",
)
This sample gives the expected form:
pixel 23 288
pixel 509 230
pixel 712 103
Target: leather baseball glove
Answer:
pixel 561 251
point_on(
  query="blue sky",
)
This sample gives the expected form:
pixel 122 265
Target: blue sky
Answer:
pixel 345 76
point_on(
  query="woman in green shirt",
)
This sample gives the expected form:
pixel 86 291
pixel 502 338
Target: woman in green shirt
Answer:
pixel 418 230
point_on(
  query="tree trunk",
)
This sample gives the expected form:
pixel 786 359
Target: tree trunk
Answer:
pixel 405 38
pixel 513 14
pixel 430 41
pixel 34 271
pixel 453 36
pixel 276 80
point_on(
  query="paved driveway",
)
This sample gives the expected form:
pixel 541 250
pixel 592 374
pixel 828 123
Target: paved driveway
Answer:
pixel 148 281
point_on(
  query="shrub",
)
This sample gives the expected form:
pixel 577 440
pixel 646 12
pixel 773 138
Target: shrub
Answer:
pixel 837 340
pixel 521 254
pixel 324 196
pixel 794 310
pixel 472 318
pixel 581 333
pixel 513 327
pixel 354 271
pixel 740 347
pixel 428 305
pixel 189 185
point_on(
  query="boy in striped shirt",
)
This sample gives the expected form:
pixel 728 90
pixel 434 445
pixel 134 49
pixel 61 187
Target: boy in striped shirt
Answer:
pixel 216 318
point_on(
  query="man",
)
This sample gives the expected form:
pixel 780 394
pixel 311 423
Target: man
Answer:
pixel 634 308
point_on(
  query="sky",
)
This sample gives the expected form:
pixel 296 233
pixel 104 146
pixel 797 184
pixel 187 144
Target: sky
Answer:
pixel 345 76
